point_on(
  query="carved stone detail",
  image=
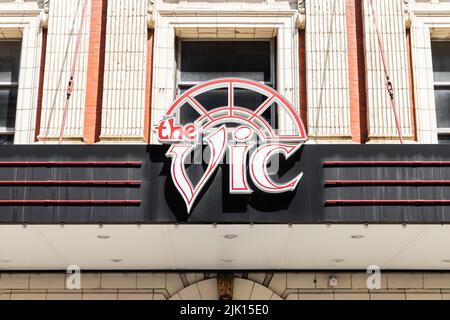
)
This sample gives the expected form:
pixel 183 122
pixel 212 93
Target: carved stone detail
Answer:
pixel 301 18
pixel 150 14
pixel 45 6
pixel 407 14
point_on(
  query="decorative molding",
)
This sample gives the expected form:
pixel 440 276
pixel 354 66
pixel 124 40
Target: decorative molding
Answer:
pixel 150 15
pixel 301 18
pixel 45 6
pixel 225 13
pixel 406 11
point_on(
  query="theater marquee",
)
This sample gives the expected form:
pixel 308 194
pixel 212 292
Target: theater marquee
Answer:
pixel 225 163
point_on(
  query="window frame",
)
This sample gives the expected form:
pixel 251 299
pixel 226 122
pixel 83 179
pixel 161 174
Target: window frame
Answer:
pixel 273 57
pixel 11 85
pixel 179 40
pixel 444 131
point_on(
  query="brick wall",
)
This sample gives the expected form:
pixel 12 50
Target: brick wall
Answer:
pixel 356 72
pixel 95 71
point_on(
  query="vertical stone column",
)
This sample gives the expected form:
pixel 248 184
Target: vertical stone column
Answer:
pixel 125 72
pixel 27 99
pixel 424 81
pixel 327 70
pixel 381 120
pixel 63 27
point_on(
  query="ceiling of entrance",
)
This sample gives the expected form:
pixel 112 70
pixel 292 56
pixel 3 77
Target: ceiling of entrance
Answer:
pixel 171 247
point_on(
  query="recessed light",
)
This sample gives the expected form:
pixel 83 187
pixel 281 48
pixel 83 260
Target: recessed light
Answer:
pixel 227 260
pixel 5 261
pixel 103 236
pixel 230 236
pixel 337 260
pixel 357 236
pixel 115 260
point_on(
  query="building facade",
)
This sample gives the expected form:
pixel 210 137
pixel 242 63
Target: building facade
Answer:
pixel 99 76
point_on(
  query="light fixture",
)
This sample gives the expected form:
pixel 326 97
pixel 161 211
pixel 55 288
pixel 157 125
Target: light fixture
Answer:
pixel 446 261
pixel 337 260
pixel 103 236
pixel 333 281
pixel 230 236
pixel 227 260
pixel 357 236
pixel 116 260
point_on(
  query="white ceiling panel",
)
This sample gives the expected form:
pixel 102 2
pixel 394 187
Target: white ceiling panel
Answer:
pixel 144 247
pixel 428 251
pixel 260 246
pixel 346 247
pixel 23 248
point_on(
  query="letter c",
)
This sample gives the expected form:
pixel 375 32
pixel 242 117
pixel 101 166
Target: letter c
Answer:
pixel 258 168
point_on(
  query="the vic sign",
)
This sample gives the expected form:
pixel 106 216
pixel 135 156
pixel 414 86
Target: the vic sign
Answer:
pixel 242 132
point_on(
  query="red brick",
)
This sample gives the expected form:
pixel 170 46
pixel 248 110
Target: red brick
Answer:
pixel 302 68
pixel 148 87
pixel 357 81
pixel 96 63
pixel 41 85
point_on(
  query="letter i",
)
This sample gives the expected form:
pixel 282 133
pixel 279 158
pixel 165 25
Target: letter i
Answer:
pixel 238 159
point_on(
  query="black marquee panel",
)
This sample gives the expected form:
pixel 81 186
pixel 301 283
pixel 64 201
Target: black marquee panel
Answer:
pixel 131 184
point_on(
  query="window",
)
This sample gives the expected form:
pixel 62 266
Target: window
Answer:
pixel 441 70
pixel 200 61
pixel 9 76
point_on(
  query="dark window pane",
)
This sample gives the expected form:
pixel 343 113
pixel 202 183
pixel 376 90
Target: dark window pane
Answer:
pixel 441 60
pixel 213 99
pixel 206 60
pixel 248 99
pixel 270 115
pixel 8 100
pixel 444 138
pixel 9 61
pixel 188 114
pixel 6 139
pixel 442 96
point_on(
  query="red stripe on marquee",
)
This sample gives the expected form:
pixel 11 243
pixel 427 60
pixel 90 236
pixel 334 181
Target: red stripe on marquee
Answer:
pixel 387 182
pixel 62 202
pixel 70 182
pixel 382 202
pixel 70 163
pixel 386 163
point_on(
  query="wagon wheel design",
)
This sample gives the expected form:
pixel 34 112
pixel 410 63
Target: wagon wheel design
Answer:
pixel 230 112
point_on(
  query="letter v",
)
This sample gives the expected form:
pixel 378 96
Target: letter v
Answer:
pixel 217 142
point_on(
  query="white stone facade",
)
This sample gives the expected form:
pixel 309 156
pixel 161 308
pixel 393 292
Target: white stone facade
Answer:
pixel 327 70
pixel 125 71
pixel 63 27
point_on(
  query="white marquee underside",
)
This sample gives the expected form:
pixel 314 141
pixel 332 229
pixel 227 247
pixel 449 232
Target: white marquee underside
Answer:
pixel 197 247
